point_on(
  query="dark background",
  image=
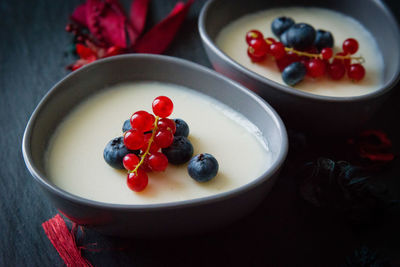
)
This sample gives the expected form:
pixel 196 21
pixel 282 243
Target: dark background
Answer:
pixel 282 231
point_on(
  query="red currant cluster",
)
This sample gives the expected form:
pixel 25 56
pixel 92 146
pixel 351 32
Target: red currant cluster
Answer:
pixel 316 63
pixel 149 134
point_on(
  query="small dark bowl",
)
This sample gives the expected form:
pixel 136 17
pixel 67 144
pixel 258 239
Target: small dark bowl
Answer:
pixel 152 220
pixel 306 111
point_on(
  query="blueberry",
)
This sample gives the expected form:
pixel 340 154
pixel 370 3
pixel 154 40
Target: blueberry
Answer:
pixel 323 39
pixel 281 24
pixel 182 129
pixel 301 36
pixel 115 151
pixel 180 151
pixel 203 167
pixel 284 40
pixel 294 73
pixel 127 126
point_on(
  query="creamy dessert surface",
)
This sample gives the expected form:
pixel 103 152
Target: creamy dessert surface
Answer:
pixel 75 155
pixel 231 40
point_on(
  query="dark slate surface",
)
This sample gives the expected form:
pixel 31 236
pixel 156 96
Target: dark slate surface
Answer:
pixel 283 231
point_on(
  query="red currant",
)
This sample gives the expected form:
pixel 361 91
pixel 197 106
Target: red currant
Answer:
pixel 130 161
pixel 326 53
pixel 162 106
pixel 288 59
pixel 350 46
pixel 145 165
pixel 346 61
pixel 133 139
pixel 137 181
pixel 142 121
pixel 258 48
pixel 164 138
pixel 158 162
pixel 153 147
pixel 316 67
pixel 336 70
pixel 356 72
pixel 166 124
pixel 254 58
pixel 253 34
pixel 277 50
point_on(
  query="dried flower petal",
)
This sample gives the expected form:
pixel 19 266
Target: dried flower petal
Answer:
pixel 79 15
pixel 161 35
pixel 85 52
pixel 374 146
pixel 109 32
pixel 106 22
pixel 342 187
pixel 138 14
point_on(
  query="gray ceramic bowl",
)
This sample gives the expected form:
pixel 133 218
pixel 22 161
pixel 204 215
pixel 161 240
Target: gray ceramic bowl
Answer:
pixel 309 112
pixel 152 220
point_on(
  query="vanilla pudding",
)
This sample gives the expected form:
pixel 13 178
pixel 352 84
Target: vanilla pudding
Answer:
pixel 231 40
pixel 75 155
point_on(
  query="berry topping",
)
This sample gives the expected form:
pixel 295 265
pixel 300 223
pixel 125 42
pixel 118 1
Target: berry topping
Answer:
pixel 350 46
pixel 294 73
pixel 180 151
pixel 316 68
pixel 203 167
pixel 115 151
pixel 280 25
pixel 253 34
pixel 258 49
pixel 133 139
pixel 126 126
pixel 162 106
pixel 167 124
pixel 137 181
pixel 312 51
pixel 301 36
pixel 277 50
pixel 356 72
pixel 148 134
pixel 130 161
pixel 323 39
pixel 158 162
pixel 163 138
pixel 336 70
pixel 182 129
pixel 142 120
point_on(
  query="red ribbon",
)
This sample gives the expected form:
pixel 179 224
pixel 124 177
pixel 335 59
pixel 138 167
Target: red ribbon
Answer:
pixel 64 241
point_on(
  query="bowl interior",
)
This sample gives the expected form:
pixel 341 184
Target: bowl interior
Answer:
pixel 104 73
pixel 372 14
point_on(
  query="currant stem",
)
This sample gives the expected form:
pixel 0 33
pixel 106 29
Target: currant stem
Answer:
pixel 148 145
pixel 312 55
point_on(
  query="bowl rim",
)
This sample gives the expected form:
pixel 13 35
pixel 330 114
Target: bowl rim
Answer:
pixel 384 88
pixel 52 188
